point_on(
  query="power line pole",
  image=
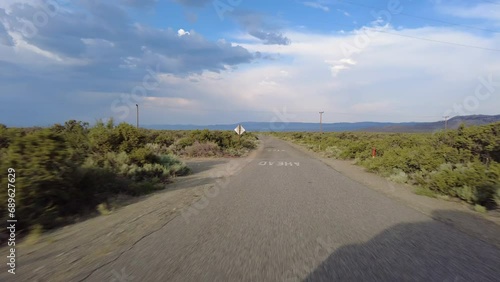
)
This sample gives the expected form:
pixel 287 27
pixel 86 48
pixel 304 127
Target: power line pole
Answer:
pixel 137 117
pixel 321 121
pixel 446 122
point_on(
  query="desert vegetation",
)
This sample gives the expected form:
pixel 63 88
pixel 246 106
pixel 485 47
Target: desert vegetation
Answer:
pixel 70 170
pixel 462 163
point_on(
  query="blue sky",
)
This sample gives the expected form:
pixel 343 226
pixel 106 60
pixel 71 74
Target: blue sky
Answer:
pixel 227 61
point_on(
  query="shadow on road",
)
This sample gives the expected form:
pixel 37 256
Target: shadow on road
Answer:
pixel 426 251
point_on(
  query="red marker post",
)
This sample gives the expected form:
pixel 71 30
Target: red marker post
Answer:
pixel 374 152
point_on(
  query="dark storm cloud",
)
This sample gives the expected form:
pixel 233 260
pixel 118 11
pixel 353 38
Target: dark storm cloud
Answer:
pixel 103 35
pixel 270 38
pixel 261 27
pixel 96 47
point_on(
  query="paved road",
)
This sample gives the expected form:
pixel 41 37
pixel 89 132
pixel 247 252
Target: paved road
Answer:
pixel 288 217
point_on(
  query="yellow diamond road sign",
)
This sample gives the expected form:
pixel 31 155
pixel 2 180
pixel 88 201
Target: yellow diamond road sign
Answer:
pixel 239 129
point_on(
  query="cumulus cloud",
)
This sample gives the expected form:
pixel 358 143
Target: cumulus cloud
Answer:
pixel 339 65
pixel 391 78
pixel 182 32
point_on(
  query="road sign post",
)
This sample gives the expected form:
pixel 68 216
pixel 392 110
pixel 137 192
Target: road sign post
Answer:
pixel 239 130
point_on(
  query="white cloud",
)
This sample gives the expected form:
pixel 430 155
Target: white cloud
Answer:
pixel 482 10
pixel 316 5
pixel 392 78
pixel 182 32
pixel 345 13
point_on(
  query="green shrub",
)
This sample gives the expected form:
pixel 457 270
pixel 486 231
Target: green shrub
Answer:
pixel 183 143
pixel 480 208
pixel 333 152
pixel 208 149
pixel 425 192
pixel 143 156
pixel 165 139
pixel 398 176
pixel 175 166
pixel 248 144
pixel 44 188
pixel 470 182
pixel 158 149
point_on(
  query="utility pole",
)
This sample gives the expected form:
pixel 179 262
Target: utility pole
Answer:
pixel 446 122
pixel 137 118
pixel 321 121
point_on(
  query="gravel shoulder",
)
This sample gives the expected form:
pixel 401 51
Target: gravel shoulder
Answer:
pixel 482 226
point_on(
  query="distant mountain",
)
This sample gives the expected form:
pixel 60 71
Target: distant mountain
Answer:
pixel 343 126
pixel 278 126
pixel 453 123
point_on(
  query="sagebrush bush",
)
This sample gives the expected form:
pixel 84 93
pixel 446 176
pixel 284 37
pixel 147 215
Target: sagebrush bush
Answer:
pixel 398 176
pixel 44 187
pixel 207 149
pixel 143 156
pixel 158 148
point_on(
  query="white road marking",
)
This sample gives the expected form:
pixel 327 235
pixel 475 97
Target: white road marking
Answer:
pixel 278 163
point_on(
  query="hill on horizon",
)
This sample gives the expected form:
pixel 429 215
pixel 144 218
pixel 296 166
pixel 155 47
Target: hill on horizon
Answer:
pixel 409 127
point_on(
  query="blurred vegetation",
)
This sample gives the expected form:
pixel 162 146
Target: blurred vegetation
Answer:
pixel 463 163
pixel 70 170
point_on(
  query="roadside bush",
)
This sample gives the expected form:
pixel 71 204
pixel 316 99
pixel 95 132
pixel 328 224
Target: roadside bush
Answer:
pixel 102 138
pixel 165 139
pixel 333 152
pixel 208 149
pixel 176 167
pixel 158 148
pixel 129 137
pixel 143 156
pixel 248 144
pixel 44 188
pixel 468 182
pixel 182 143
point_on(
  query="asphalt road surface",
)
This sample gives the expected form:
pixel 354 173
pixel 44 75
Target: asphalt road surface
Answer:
pixel 288 217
